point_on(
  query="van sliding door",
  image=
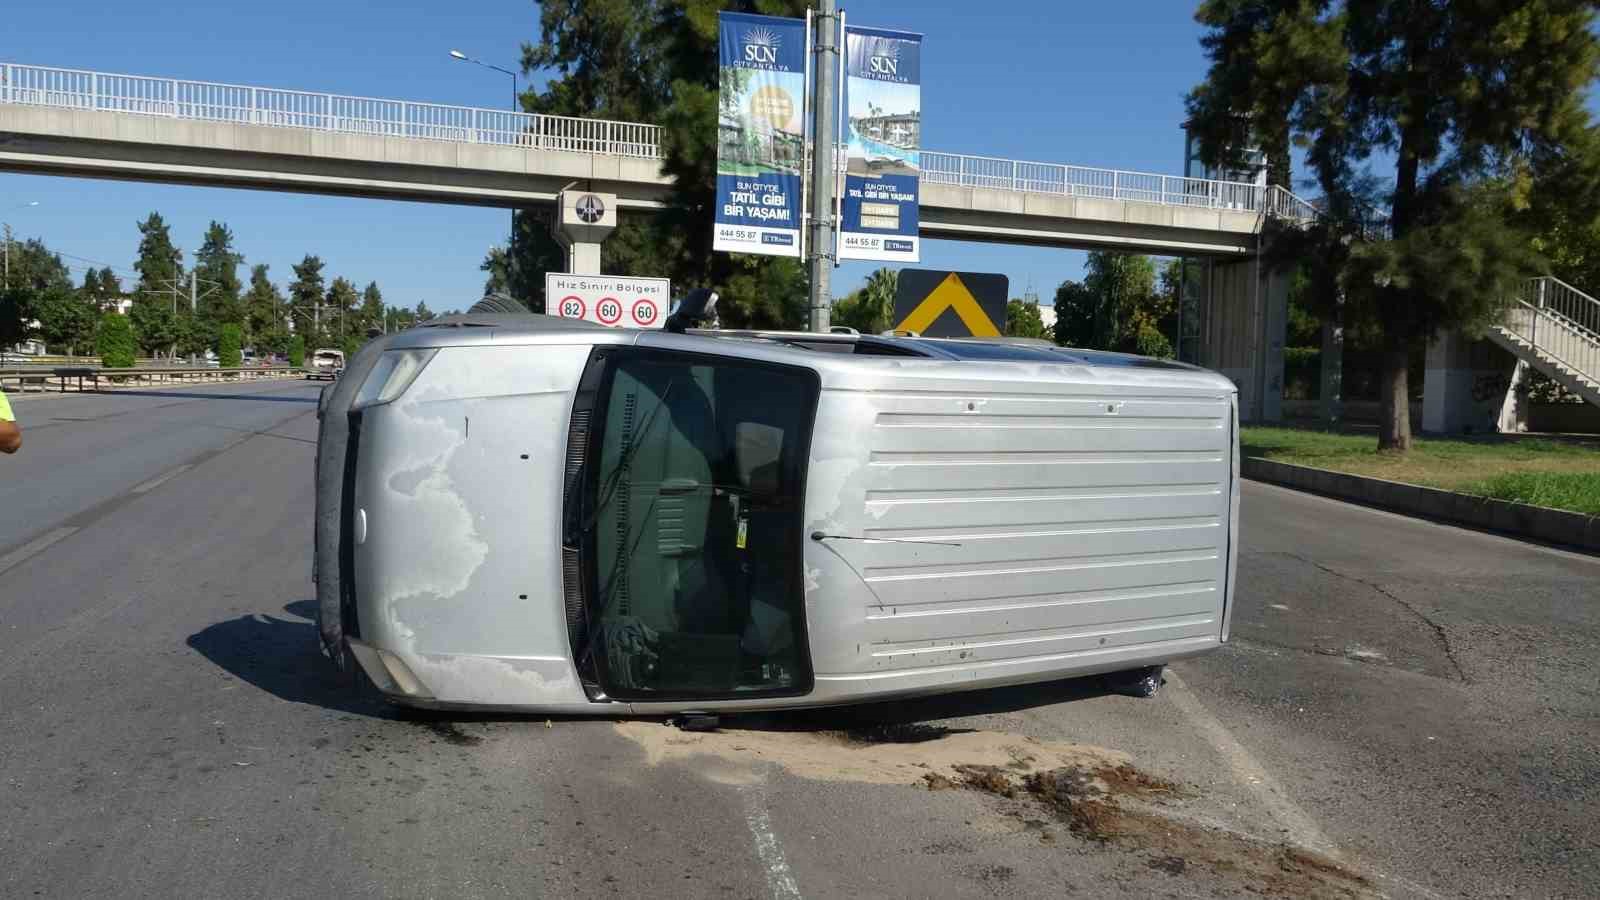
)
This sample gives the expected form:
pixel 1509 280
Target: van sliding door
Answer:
pixel 692 503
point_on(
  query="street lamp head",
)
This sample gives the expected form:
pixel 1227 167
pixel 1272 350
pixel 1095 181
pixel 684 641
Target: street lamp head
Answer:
pixel 457 54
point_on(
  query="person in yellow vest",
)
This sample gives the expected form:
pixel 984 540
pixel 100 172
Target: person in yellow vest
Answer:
pixel 10 433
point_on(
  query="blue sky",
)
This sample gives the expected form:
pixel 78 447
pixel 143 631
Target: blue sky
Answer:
pixel 1088 84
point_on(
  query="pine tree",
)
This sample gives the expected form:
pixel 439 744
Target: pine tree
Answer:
pixel 216 264
pixel 264 311
pixel 154 312
pixel 371 315
pixel 306 296
pixel 1472 105
pixel 338 321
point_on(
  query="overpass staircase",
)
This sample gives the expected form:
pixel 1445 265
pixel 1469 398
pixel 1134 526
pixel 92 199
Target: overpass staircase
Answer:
pixel 1555 328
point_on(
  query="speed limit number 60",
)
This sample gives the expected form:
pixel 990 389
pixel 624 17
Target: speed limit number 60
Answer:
pixel 609 311
pixel 644 311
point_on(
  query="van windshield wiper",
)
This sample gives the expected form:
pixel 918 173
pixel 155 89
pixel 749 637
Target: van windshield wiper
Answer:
pixel 608 491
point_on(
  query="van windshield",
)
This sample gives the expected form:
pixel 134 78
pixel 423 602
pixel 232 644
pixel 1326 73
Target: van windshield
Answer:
pixel 695 528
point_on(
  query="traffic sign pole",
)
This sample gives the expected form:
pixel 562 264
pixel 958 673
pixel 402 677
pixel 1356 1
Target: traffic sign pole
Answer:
pixel 820 251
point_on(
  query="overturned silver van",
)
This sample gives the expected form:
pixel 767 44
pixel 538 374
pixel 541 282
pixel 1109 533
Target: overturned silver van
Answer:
pixel 535 514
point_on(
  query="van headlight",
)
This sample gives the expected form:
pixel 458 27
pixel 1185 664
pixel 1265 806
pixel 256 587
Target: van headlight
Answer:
pixel 390 376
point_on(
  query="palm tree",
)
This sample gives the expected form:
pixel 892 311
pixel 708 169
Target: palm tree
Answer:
pixel 877 296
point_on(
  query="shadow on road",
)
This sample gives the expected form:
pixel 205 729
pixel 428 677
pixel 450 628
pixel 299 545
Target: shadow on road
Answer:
pixel 195 395
pixel 283 657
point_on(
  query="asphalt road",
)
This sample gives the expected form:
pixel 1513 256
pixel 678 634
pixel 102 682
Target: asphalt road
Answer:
pixel 1416 703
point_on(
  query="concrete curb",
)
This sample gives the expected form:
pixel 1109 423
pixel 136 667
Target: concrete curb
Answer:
pixel 1538 523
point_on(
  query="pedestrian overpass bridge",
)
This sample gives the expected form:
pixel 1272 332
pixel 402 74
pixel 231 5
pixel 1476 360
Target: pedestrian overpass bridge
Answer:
pixel 101 125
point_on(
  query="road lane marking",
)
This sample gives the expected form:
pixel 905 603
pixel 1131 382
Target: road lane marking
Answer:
pixel 780 880
pixel 1300 828
pixel 34 548
pixel 159 480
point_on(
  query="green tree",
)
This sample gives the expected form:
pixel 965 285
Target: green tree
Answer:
pixel 339 314
pixel 115 342
pixel 35 272
pixel 399 318
pixel 66 319
pixel 263 307
pixel 101 288
pixel 35 267
pixel 651 62
pixel 371 315
pixel 154 313
pixel 1472 106
pixel 306 296
pixel 216 264
pixel 230 340
pixel 869 309
pixel 1023 320
pixel 297 351
pixel 422 312
pixel 156 327
pixel 1075 315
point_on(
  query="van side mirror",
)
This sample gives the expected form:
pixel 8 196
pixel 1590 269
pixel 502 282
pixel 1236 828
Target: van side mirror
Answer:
pixel 696 308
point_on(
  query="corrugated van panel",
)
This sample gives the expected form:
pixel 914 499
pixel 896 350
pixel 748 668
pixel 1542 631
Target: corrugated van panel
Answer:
pixel 1080 521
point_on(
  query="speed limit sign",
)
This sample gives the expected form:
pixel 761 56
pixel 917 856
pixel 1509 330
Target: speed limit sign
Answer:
pixel 617 301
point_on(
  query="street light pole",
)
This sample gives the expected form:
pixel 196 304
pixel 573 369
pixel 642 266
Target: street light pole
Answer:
pixel 516 101
pixel 821 253
pixel 8 242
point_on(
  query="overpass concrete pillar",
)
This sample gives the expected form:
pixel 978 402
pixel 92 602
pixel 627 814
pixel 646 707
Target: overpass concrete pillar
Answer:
pixel 1471 386
pixel 583 220
pixel 1244 332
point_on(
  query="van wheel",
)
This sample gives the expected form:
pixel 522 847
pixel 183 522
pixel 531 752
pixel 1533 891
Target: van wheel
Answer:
pixel 1141 682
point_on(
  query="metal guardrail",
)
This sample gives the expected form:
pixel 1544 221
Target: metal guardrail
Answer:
pixel 26 378
pixel 245 105
pixel 1561 322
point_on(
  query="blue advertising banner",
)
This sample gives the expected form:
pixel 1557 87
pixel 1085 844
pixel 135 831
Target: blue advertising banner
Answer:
pixel 883 126
pixel 760 134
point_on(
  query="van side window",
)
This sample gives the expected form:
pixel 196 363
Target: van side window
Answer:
pixel 695 499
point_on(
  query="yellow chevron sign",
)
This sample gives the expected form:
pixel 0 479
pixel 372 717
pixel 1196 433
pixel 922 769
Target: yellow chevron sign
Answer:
pixel 920 307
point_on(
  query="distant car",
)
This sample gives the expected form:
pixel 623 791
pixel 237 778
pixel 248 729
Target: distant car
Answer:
pixel 325 364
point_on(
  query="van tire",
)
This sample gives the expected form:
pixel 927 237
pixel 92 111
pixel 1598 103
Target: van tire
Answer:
pixel 1142 682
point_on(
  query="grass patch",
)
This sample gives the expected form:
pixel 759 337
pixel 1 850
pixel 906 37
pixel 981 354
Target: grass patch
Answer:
pixel 1558 474
pixel 1577 491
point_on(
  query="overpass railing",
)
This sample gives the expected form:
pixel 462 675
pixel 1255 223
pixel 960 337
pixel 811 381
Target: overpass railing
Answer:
pixel 1109 184
pixel 241 104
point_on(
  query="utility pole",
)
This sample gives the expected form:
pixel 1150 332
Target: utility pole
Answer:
pixel 821 253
